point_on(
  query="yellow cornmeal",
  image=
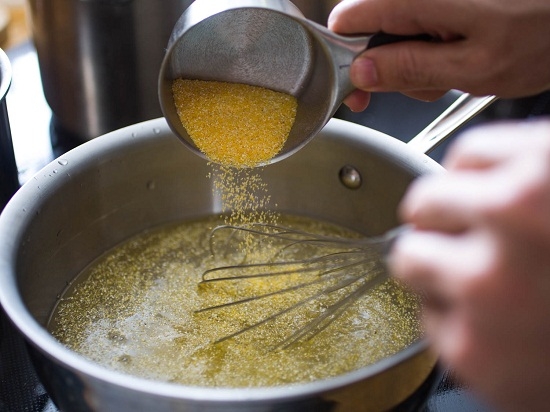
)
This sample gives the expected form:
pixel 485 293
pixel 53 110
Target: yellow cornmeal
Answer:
pixel 133 310
pixel 234 124
pixel 243 194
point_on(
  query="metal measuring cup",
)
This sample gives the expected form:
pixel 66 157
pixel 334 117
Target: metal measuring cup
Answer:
pixel 267 43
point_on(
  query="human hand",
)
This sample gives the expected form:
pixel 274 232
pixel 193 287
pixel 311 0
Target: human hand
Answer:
pixel 499 47
pixel 480 254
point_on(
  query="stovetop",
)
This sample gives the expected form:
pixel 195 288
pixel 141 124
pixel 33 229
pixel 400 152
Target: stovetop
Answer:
pixel 37 141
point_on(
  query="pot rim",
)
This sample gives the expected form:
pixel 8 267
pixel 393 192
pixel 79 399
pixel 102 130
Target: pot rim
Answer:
pixel 19 208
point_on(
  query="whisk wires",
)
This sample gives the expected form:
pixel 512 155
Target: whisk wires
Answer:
pixel 353 265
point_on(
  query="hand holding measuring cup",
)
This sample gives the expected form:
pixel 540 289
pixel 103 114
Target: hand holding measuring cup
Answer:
pixel 495 47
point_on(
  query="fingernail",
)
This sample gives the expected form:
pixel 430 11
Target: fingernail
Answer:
pixel 363 73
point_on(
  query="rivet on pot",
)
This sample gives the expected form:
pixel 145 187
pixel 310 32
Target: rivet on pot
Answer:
pixel 350 177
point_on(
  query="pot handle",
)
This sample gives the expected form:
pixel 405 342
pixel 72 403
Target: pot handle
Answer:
pixel 456 115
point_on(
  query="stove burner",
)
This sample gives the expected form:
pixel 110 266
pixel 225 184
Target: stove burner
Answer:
pixel 20 389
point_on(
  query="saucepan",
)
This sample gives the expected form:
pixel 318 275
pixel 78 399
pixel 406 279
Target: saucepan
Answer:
pixel 140 177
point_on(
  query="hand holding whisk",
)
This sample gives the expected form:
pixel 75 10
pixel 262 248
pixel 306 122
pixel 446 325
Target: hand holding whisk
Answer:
pixel 336 271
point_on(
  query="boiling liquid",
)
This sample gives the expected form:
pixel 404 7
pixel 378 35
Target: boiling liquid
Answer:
pixel 133 310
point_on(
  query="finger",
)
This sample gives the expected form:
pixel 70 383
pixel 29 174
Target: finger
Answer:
pixel 357 101
pixel 426 95
pixel 429 262
pixel 486 146
pixel 439 202
pixel 447 269
pixel 392 16
pixel 512 198
pixel 415 65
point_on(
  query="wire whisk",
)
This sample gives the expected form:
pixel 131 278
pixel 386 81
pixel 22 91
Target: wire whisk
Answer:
pixel 339 270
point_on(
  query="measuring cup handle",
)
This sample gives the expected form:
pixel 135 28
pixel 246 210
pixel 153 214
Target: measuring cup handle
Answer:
pixel 381 39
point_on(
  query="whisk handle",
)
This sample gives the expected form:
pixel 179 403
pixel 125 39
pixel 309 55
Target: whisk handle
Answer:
pixel 381 39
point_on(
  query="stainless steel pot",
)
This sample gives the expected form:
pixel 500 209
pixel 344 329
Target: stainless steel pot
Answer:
pixel 99 59
pixel 141 176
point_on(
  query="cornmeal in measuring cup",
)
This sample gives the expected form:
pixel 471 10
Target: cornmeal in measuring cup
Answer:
pixel 234 124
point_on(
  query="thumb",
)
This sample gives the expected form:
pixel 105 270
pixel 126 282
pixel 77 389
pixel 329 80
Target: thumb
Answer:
pixel 410 66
